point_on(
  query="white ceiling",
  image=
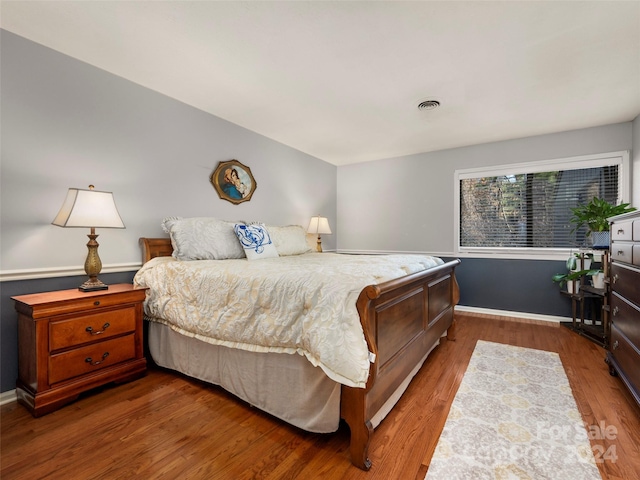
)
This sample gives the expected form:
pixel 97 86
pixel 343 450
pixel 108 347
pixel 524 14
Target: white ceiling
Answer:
pixel 342 80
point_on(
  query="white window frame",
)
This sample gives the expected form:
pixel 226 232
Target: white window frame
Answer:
pixel 620 158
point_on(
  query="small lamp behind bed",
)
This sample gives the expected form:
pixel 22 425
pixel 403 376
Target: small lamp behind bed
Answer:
pixel 89 209
pixel 319 225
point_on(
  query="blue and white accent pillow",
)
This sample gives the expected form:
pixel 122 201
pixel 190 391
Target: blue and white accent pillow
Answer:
pixel 255 240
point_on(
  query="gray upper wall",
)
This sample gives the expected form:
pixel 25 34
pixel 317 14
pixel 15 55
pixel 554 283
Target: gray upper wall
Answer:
pixel 407 203
pixel 68 124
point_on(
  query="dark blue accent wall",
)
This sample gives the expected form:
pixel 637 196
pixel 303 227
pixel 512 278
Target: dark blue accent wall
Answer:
pixel 513 285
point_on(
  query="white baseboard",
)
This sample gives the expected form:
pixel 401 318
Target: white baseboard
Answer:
pixel 506 313
pixel 8 397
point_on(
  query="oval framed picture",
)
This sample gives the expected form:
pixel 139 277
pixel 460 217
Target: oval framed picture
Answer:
pixel 233 181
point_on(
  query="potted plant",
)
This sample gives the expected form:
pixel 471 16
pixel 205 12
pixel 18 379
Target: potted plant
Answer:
pixel 594 216
pixel 598 279
pixel 572 279
pixel 580 261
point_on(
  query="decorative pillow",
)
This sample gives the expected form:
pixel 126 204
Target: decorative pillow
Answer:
pixel 202 238
pixel 255 240
pixel 289 240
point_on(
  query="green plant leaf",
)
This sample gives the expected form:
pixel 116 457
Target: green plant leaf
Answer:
pixel 594 214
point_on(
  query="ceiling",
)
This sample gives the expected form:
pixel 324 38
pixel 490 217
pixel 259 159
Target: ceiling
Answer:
pixel 342 80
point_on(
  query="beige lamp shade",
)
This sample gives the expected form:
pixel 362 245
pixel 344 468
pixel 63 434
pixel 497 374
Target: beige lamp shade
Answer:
pixel 319 225
pixel 88 208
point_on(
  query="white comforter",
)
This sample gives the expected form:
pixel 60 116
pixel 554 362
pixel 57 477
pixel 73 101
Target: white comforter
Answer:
pixel 303 304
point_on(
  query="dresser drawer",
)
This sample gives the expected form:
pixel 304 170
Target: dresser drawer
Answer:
pixel 626 317
pixel 622 251
pixel 622 230
pixel 94 357
pixel 625 281
pixel 627 356
pixel 88 328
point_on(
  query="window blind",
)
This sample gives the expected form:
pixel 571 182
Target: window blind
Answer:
pixel 531 209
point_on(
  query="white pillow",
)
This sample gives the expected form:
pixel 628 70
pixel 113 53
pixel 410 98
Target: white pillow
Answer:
pixel 289 240
pixel 255 240
pixel 202 238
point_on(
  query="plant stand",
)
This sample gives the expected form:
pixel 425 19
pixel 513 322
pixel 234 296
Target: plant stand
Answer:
pixel 590 309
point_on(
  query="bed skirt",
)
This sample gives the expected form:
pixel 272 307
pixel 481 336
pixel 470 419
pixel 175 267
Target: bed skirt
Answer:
pixel 284 385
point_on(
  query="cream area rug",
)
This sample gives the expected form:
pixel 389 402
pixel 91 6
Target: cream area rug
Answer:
pixel 513 417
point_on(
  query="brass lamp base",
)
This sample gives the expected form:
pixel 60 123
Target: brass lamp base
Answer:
pixel 91 285
pixel 319 245
pixel 92 266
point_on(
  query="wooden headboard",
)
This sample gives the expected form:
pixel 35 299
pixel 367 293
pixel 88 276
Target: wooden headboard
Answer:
pixel 155 247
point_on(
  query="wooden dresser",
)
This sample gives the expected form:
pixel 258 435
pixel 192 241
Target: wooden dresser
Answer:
pixel 624 345
pixel 71 341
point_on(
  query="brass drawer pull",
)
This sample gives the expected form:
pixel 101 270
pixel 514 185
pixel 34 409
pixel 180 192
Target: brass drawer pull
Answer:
pixel 615 311
pixel 615 278
pixel 104 327
pixel 97 362
pixel 620 231
pixel 615 345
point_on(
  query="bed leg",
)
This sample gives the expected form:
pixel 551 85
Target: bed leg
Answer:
pixel 451 331
pixel 359 447
pixel 353 410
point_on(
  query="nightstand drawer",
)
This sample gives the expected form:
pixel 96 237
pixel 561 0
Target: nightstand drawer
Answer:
pixel 65 302
pixel 92 327
pixel 81 361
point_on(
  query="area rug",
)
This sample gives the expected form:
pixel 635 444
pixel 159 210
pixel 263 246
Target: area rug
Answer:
pixel 513 417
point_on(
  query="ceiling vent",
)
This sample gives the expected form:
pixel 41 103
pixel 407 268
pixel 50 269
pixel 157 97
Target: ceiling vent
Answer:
pixel 428 105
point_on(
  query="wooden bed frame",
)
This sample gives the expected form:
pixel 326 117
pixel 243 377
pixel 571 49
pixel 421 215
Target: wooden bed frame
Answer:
pixel 402 320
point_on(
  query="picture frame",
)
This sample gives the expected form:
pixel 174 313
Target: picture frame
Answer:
pixel 233 181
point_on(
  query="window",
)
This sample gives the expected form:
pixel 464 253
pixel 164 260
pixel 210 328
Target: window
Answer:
pixel 526 208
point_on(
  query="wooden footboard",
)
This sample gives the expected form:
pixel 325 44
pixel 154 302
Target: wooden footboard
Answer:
pixel 402 320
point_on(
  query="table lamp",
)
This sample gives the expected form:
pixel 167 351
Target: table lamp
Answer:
pixel 89 209
pixel 319 225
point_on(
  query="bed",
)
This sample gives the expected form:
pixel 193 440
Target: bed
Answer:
pixel 400 320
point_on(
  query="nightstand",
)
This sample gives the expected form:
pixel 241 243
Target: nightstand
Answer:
pixel 72 341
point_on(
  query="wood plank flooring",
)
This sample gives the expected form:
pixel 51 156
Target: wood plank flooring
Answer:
pixel 167 426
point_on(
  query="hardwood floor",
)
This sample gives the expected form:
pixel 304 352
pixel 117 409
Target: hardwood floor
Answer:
pixel 168 426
